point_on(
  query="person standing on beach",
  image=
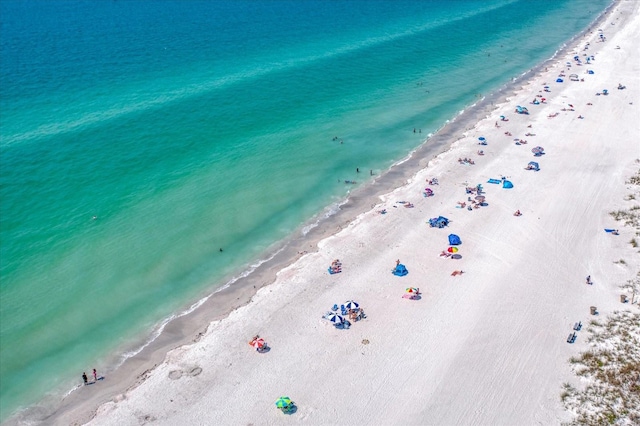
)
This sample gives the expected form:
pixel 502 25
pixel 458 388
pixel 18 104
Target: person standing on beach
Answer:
pixel 84 378
pixel 95 375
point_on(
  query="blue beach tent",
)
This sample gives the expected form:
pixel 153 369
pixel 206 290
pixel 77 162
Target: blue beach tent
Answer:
pixel 507 184
pixel 559 80
pixel 534 166
pixel 400 270
pixel 454 240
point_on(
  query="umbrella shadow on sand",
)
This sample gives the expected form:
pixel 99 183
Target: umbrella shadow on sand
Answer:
pixel 290 410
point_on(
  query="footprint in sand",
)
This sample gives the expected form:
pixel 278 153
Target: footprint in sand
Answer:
pixel 175 374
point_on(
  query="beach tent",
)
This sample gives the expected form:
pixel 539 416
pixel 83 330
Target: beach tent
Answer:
pixel 559 80
pixel 438 222
pixel 590 72
pixel 507 184
pixel 533 166
pixel 454 240
pixel 400 270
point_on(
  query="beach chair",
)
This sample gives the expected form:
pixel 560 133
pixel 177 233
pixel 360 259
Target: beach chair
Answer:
pixel 577 326
pixel 572 337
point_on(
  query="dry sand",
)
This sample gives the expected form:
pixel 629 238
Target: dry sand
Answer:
pixel 487 347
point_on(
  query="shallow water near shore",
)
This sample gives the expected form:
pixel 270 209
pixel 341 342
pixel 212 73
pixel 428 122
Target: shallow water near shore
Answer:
pixel 187 128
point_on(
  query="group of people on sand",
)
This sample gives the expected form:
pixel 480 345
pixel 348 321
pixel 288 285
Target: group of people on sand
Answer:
pixel 336 266
pixel 466 161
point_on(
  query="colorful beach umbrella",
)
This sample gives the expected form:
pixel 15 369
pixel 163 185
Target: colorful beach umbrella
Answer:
pixel 283 402
pixel 351 305
pixel 335 319
pixel 258 343
pixel 452 249
pixel 412 290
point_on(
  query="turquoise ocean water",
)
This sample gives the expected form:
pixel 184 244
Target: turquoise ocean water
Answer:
pixel 187 126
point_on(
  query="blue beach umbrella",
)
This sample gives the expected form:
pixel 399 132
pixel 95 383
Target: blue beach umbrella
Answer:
pixel 481 138
pixel 351 305
pixel 335 319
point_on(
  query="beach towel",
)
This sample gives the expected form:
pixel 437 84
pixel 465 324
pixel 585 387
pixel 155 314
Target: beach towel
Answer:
pixel 496 181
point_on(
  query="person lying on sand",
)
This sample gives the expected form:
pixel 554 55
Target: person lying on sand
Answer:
pixel 454 273
pixel 508 133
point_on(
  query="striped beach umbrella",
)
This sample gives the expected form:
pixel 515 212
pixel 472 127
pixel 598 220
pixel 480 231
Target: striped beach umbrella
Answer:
pixel 335 318
pixel 283 402
pixel 412 290
pixel 351 305
pixel 258 343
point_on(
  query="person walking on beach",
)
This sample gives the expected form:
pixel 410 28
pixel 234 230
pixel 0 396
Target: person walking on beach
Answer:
pixel 84 378
pixel 95 375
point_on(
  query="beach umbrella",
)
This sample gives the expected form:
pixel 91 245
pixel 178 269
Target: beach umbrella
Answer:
pixel 283 402
pixel 452 249
pixel 351 305
pixel 412 290
pixel 456 256
pixel 537 150
pixel 258 343
pixel 502 117
pixel 481 138
pixel 335 319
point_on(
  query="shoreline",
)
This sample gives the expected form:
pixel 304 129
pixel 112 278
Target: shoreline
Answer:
pixel 191 327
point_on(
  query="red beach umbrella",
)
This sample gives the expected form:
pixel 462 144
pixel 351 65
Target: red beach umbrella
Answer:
pixel 258 343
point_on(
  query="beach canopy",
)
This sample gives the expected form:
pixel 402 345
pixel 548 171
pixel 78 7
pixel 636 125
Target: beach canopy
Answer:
pixel 283 402
pixel 400 270
pixel 438 222
pixel 507 184
pixel 454 240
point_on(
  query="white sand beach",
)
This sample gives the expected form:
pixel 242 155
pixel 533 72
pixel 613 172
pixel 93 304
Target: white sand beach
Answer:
pixel 487 347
